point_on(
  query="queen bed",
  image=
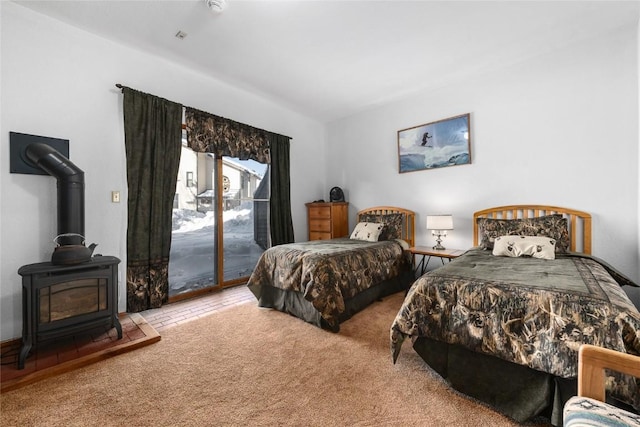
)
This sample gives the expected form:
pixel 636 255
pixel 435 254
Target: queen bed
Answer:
pixel 503 322
pixel 325 282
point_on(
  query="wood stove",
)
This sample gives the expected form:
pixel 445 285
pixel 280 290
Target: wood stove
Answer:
pixel 61 300
pixel 74 291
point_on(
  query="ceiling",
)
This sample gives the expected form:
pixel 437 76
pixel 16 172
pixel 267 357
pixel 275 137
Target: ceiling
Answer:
pixel 332 59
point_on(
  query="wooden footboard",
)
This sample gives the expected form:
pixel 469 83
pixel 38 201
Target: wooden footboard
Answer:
pixel 579 222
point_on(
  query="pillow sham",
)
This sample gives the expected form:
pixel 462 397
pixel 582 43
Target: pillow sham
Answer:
pixel 553 226
pixel 516 246
pixel 368 231
pixel 392 223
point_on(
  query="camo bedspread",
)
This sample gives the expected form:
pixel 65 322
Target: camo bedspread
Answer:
pixel 528 311
pixel 328 272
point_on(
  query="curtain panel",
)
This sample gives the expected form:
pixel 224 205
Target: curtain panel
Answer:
pixel 281 223
pixel 207 133
pixel 153 134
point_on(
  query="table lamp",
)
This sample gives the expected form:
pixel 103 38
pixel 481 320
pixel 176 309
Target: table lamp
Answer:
pixel 439 224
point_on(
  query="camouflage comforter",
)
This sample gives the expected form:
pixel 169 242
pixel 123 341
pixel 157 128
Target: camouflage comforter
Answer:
pixel 329 272
pixel 528 311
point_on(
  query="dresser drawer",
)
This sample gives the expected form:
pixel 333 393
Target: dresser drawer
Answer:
pixel 323 225
pixel 320 212
pixel 316 235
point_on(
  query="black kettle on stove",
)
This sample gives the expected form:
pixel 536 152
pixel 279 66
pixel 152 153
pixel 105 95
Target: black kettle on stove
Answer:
pixel 71 254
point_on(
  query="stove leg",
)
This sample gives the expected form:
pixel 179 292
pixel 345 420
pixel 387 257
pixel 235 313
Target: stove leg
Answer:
pixel 24 352
pixel 117 325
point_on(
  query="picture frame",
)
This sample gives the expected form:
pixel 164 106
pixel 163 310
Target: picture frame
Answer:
pixel 438 144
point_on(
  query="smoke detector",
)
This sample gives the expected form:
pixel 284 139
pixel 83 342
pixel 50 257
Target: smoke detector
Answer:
pixel 216 6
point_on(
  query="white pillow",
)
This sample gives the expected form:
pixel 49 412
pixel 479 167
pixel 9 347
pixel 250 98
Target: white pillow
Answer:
pixel 533 246
pixel 369 231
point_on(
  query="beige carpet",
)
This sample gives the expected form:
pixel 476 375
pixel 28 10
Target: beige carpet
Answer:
pixel 247 366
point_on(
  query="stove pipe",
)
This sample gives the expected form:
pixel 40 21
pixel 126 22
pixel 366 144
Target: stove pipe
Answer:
pixel 70 191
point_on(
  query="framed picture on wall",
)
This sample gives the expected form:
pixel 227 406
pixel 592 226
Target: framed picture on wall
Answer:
pixel 446 142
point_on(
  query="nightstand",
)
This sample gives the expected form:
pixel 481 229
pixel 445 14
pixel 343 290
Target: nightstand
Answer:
pixel 426 251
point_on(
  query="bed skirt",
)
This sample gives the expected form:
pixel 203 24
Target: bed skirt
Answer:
pixel 514 390
pixel 295 304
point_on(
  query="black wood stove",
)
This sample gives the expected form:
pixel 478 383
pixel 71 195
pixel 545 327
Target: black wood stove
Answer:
pixel 75 291
pixel 63 300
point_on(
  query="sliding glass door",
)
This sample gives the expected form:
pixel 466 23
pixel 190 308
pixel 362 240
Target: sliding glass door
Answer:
pixel 192 261
pixel 220 222
pixel 245 226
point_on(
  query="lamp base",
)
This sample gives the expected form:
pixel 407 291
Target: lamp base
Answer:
pixel 439 235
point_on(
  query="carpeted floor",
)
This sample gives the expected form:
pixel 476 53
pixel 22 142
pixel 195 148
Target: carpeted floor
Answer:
pixel 251 366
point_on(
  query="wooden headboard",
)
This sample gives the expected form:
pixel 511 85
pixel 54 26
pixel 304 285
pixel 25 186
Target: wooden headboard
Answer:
pixel 579 222
pixel 408 220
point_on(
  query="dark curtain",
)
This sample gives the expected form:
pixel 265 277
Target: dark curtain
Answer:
pixel 153 133
pixel 213 134
pixel 281 223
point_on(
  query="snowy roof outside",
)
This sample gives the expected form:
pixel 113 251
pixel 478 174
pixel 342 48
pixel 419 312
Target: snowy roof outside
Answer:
pixel 249 166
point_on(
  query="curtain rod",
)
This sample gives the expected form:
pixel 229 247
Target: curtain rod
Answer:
pixel 121 87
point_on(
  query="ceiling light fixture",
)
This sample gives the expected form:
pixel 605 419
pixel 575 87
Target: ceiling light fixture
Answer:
pixel 216 6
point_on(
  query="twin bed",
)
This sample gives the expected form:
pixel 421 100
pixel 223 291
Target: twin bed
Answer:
pixel 325 282
pixel 502 323
pixel 506 329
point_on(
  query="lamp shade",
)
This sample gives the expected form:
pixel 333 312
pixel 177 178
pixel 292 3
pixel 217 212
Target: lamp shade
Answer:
pixel 439 222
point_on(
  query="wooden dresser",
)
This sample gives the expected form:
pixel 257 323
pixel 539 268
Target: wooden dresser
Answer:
pixel 328 220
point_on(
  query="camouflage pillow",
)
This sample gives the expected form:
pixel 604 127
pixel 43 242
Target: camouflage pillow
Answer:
pixel 392 224
pixel 553 226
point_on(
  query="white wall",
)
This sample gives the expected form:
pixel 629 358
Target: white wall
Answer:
pixel 58 81
pixel 560 129
pixel 638 118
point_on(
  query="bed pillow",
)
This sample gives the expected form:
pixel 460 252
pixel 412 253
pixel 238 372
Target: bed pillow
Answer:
pixel 553 226
pixel 516 246
pixel 369 231
pixel 392 224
